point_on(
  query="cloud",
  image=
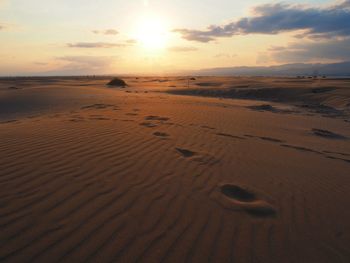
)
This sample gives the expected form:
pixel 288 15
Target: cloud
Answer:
pixel 333 21
pixel 84 65
pixel 195 35
pixel 338 50
pixel 106 32
pixel 95 45
pixel 87 60
pixel 225 55
pixel 182 49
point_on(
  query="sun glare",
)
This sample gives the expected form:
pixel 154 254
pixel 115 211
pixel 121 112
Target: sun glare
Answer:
pixel 152 33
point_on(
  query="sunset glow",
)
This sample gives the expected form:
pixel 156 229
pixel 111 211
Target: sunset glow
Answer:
pixel 151 36
pixel 152 33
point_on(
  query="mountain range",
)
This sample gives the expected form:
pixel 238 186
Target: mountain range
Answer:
pixel 299 69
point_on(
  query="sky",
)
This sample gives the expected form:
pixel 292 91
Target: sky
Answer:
pixel 75 37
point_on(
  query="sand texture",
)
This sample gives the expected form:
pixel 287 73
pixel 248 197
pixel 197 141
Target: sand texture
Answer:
pixel 242 170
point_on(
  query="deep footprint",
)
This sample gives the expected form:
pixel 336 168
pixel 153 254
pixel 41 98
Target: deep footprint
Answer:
pixel 238 193
pixel 185 153
pixel 248 201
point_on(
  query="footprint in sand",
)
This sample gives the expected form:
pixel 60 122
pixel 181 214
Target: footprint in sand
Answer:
pixel 201 158
pixel 156 118
pixel 148 124
pixel 238 193
pixel 247 201
pixel 185 153
pixel 161 134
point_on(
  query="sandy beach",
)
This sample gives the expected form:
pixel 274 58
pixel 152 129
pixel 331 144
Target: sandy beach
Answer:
pixel 172 169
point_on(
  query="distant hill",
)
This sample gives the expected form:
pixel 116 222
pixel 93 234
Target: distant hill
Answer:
pixel 300 69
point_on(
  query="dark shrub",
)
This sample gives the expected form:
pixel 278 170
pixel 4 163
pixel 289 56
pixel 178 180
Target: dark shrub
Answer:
pixel 117 82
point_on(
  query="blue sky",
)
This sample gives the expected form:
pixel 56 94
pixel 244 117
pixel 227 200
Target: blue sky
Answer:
pixel 160 36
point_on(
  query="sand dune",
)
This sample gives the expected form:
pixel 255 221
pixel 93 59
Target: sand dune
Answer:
pixel 325 96
pixel 95 174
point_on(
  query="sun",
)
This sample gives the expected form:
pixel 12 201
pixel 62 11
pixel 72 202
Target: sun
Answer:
pixel 152 32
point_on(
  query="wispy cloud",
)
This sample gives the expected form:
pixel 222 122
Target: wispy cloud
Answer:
pixel 84 65
pixel 98 61
pixel 95 45
pixel 333 21
pixel 106 32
